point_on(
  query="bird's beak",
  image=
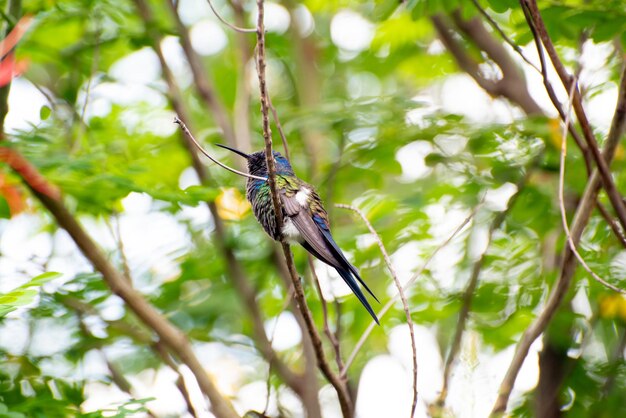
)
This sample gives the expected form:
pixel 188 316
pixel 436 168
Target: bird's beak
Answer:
pixel 235 150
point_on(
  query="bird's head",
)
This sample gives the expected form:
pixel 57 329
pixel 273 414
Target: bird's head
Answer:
pixel 257 165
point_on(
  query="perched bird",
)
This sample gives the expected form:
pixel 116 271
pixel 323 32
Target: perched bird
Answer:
pixel 305 220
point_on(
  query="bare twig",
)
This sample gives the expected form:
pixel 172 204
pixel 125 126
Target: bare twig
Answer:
pixel 116 234
pixel 230 25
pixel 408 284
pixel 617 229
pixel 334 341
pixel 568 234
pixel 552 94
pixel 216 161
pixel 280 128
pixel 405 304
pixel 345 402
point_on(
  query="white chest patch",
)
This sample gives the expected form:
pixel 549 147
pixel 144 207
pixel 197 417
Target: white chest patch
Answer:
pixel 302 196
pixel 290 231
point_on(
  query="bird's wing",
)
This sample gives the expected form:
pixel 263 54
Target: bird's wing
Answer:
pixel 307 227
pixel 315 230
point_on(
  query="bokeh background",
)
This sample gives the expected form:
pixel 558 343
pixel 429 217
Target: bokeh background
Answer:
pixel 379 114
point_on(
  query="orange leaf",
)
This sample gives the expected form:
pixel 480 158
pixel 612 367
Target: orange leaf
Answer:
pixel 15 35
pixel 12 195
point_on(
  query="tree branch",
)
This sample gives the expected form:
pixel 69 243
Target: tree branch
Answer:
pixel 512 85
pixel 347 407
pixel 568 234
pixel 215 160
pixel 230 25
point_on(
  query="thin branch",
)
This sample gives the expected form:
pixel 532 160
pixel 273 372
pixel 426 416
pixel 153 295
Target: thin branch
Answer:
pixel 280 128
pixel 581 218
pixel 618 232
pixel 405 304
pixel 552 94
pixel 408 284
pixel 345 402
pixel 617 229
pixel 334 341
pixel 311 386
pixel 230 25
pixel 216 161
pixel 116 234
pixel 555 101
pixel 94 68
pixel 568 234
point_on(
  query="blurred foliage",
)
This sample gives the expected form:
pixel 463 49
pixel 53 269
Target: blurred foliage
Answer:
pixel 384 144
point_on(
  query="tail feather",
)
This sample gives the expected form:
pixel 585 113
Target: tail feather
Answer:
pixel 346 275
pixel 345 264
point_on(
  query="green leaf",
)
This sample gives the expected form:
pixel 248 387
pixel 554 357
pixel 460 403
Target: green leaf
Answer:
pixel 44 112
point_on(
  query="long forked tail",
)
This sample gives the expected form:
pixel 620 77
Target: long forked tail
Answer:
pixel 354 286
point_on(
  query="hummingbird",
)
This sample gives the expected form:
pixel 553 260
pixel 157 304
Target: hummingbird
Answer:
pixel 305 221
